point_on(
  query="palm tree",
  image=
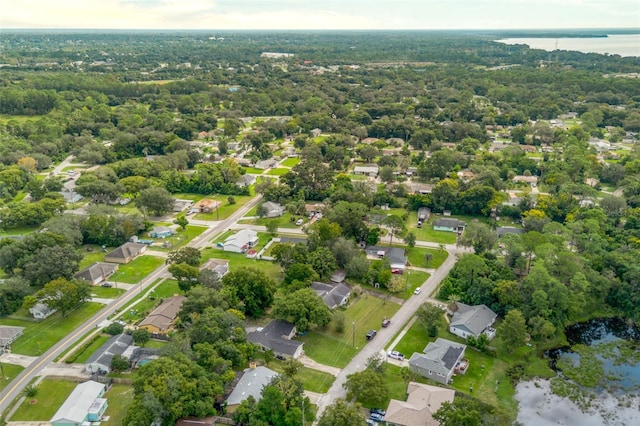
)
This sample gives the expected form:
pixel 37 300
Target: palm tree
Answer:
pixel 453 302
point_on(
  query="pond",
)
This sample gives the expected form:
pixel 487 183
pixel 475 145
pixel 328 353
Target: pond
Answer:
pixel 598 381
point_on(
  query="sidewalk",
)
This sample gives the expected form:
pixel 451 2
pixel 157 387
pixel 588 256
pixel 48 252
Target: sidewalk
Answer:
pixel 16 359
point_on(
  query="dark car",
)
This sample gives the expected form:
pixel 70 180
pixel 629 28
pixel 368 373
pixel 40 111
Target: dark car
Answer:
pixel 377 417
pixel 107 284
pixel 378 411
pixel 371 334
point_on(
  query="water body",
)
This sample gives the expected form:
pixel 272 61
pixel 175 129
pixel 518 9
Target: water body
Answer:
pixel 608 351
pixel 615 44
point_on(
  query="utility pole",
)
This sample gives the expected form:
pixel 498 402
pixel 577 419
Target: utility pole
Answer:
pixel 353 343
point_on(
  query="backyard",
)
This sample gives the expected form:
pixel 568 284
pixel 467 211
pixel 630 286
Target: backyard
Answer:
pixel 290 162
pixel 426 232
pixel 51 395
pixel 38 337
pixel 312 380
pixel 119 397
pixel 285 221
pixel 137 269
pixel 278 172
pixel 181 238
pixel 329 347
pixel 237 260
pixel 134 313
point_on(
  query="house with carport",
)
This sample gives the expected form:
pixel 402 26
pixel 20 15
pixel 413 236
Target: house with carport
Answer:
pixel 100 361
pixel 241 241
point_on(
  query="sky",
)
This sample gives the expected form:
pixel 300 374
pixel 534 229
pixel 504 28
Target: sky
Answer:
pixel 319 14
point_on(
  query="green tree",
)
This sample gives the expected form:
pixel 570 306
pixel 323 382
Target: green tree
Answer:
pixel 252 287
pixel 181 221
pixel 342 413
pixel 62 294
pixel 31 391
pixel 410 239
pixel 460 412
pixel 430 316
pixel 114 329
pixel 272 226
pixel 322 261
pixel 479 236
pixel 513 331
pixel 141 336
pixel 189 255
pixel 357 267
pixel 302 307
pixel 186 275
pixel 120 363
pixel 367 385
pixel 156 200
pixel 395 225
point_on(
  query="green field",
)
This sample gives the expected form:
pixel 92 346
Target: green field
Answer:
pixel 237 260
pixel 284 221
pixel 136 270
pixel 312 380
pixel 252 170
pixel 96 254
pixel 139 311
pixel 326 346
pixel 38 337
pixel 290 162
pixel 21 230
pixel 86 353
pixel 278 171
pixel 11 371
pixel 226 209
pixel 106 292
pixel 416 257
pixel 180 239
pixel 120 397
pixel 51 395
pixel 426 232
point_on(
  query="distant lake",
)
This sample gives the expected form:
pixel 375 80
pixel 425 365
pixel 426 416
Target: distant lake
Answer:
pixel 618 44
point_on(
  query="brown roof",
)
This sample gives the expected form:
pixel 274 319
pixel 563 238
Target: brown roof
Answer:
pixel 162 317
pixel 97 270
pixel 127 250
pixel 422 401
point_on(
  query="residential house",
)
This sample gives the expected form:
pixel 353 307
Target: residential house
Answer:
pixel 422 401
pixel 251 383
pixel 161 319
pixel 41 311
pixel 100 361
pixel 246 180
pixel 244 162
pixel 332 295
pixel 277 336
pixel 466 175
pixel 161 232
pixel 411 171
pixel 472 321
pixel 181 205
pixel 395 255
pixel 8 335
pixel 531 180
pixel 369 141
pixel 600 145
pixel 241 241
pixel 272 209
pixel 316 132
pixel 504 230
pixel 440 361
pixel 420 188
pixel 370 170
pixel 448 225
pixel 126 253
pixel 219 266
pixel 97 272
pixel 266 164
pixel 395 141
pixel 206 205
pixel 70 196
pixel 83 406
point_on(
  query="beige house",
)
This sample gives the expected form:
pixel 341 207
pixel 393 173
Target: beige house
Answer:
pixel 126 253
pixel 422 401
pixel 161 320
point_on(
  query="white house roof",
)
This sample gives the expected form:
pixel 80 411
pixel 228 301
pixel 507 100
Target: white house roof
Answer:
pixel 251 384
pixel 78 404
pixel 366 169
pixel 242 238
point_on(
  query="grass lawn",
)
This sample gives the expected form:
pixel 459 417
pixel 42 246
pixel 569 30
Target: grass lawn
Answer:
pixel 120 398
pixel 38 337
pixel 157 344
pixel 106 292
pixel 139 311
pixel 11 371
pixel 187 196
pixel 222 237
pixel 278 171
pixel 253 170
pixel 51 395
pixel 90 257
pixel 180 239
pixel 284 221
pixel 21 230
pixel 237 260
pixel 89 350
pixel 226 209
pixel 426 233
pixel 312 380
pixel 291 161
pixel 416 257
pixel 336 349
pixel 137 269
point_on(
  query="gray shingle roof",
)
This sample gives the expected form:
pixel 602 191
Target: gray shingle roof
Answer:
pixel 439 356
pixel 448 223
pixel 251 384
pixel 474 319
pixel 97 270
pixel 271 337
pixel 116 345
pixel 332 295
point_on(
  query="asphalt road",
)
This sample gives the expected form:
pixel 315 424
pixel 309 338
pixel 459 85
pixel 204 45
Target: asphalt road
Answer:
pixel 14 389
pixel 384 336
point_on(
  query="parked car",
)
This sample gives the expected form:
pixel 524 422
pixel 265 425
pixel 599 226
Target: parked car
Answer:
pixel 386 322
pixel 395 355
pixel 299 222
pixel 379 411
pixel 417 290
pixel 107 284
pixel 371 334
pixel 377 417
pixel 397 271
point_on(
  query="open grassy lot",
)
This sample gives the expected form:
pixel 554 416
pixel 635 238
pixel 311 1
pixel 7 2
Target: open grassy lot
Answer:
pixel 11 371
pixel 134 313
pixel 237 260
pixel 85 354
pixel 137 269
pixel 178 240
pixel 284 221
pixel 226 209
pixel 291 161
pixel 426 232
pixel 278 171
pixel 95 254
pixel 38 337
pixel 312 380
pixel 326 346
pixel 416 257
pixel 51 395
pixel 106 292
pixel 120 397
pixel 21 230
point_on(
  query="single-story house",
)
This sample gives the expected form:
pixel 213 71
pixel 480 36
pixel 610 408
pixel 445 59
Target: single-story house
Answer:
pixel 411 171
pixel 265 164
pixel 246 180
pixel 472 321
pixel 503 230
pixel 440 360
pixel 277 336
pixel 161 232
pixel 371 170
pixel 466 175
pixel 338 276
pixel 395 255
pixel 448 225
pixel 8 334
pixel 41 311
pixel 126 253
pixel 97 272
pixel 83 406
pixel 332 295
pixel 369 141
pixel 161 319
pixel 272 209
pixel 420 188
pixel 422 401
pixel 241 241
pixel 531 180
pixel 219 266
pixel 181 205
pixel 100 361
pixel 251 383
pixel 206 205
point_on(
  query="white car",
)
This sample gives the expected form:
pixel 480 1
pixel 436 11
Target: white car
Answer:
pixel 395 355
pixel 417 291
pixel 299 222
